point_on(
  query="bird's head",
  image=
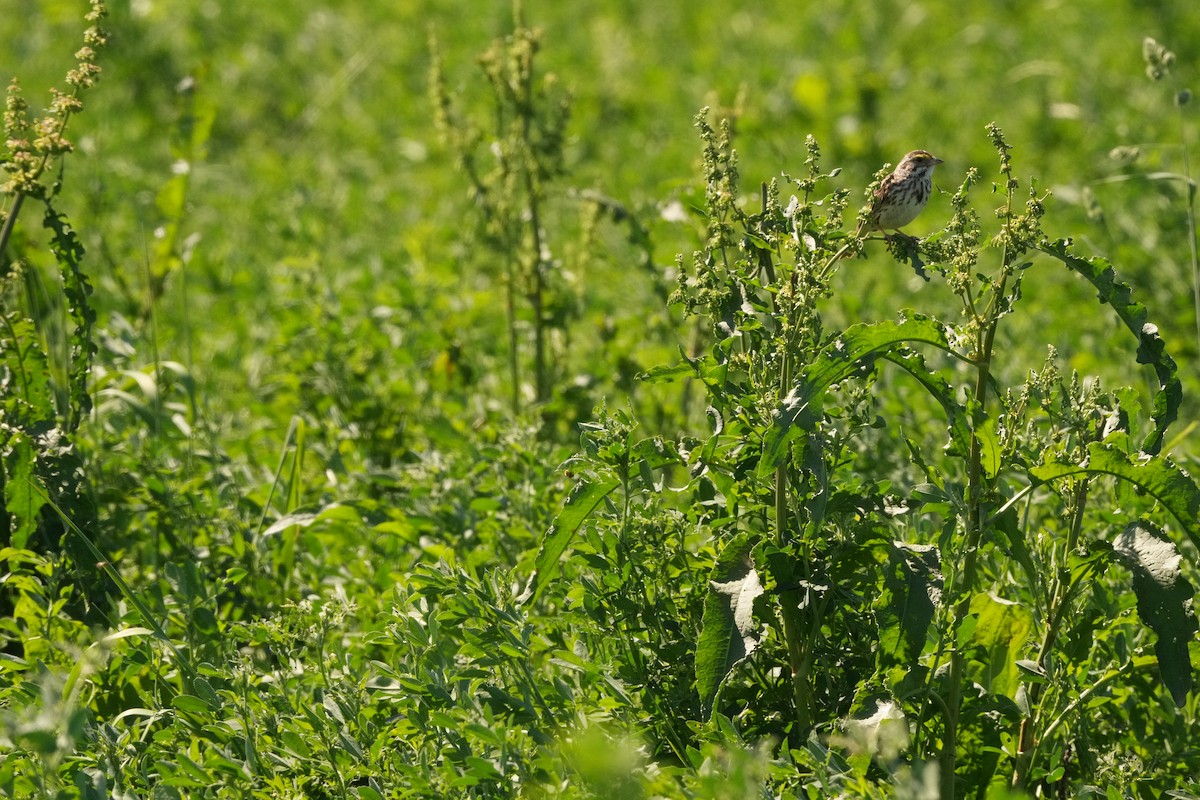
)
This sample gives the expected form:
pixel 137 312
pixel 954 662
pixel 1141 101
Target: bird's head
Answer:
pixel 919 160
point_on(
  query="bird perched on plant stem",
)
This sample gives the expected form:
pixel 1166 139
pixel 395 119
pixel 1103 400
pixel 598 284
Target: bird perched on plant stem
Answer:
pixel 902 195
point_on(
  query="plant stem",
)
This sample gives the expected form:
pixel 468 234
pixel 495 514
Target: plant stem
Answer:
pixel 1060 602
pixel 1132 665
pixel 796 639
pixel 793 632
pixel 510 310
pixel 10 221
pixel 536 294
pixel 975 525
pixel 1190 187
pixel 529 167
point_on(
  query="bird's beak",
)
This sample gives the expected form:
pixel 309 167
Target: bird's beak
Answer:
pixel 937 161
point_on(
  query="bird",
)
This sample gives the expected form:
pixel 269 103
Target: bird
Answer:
pixel 902 195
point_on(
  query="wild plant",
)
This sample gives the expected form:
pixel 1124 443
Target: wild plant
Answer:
pixel 897 524
pixel 510 164
pixel 46 340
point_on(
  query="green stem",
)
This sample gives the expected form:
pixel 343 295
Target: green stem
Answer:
pixel 1191 219
pixel 1060 603
pixel 10 221
pixel 537 292
pixel 797 640
pixel 793 633
pixel 974 532
pixel 536 301
pixel 510 311
pixel 964 591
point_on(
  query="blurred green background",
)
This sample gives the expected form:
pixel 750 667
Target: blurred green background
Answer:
pixel 323 192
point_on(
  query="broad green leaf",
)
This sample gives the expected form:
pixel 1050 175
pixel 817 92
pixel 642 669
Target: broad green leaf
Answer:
pixel 23 492
pixel 850 353
pixel 1155 475
pixel 912 592
pixel 727 628
pixel 125 633
pixel 484 733
pixel 303 518
pixel 185 665
pixel 668 373
pixel 989 445
pixel 483 768
pixel 190 703
pixel 28 400
pixel 1164 601
pixel 794 417
pixel 1002 629
pixel 841 358
pixel 197 772
pixel 582 500
pixel 1151 349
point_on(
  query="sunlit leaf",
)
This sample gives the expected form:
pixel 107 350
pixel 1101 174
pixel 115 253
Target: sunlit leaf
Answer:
pixel 23 495
pixel 579 505
pixel 1002 629
pixel 727 629
pixel 76 289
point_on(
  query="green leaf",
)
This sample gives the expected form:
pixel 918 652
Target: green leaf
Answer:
pixel 579 505
pixel 1151 349
pixel 483 769
pixel 1164 601
pixel 134 599
pixel 76 289
pixel 1002 628
pixel 190 703
pixel 304 517
pixel 794 417
pixel 989 443
pixel 125 633
pixel 668 373
pixel 850 353
pixel 727 628
pixel 912 592
pixel 23 492
pixel 28 400
pixel 841 358
pixel 1156 475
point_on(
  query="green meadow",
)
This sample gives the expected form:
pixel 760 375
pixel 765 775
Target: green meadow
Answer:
pixel 469 399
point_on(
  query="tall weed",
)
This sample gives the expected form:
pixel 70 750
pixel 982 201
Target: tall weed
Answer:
pixel 968 593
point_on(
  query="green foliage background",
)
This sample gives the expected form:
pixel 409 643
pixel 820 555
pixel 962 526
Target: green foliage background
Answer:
pixel 322 128
pixel 301 453
pixel 322 165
